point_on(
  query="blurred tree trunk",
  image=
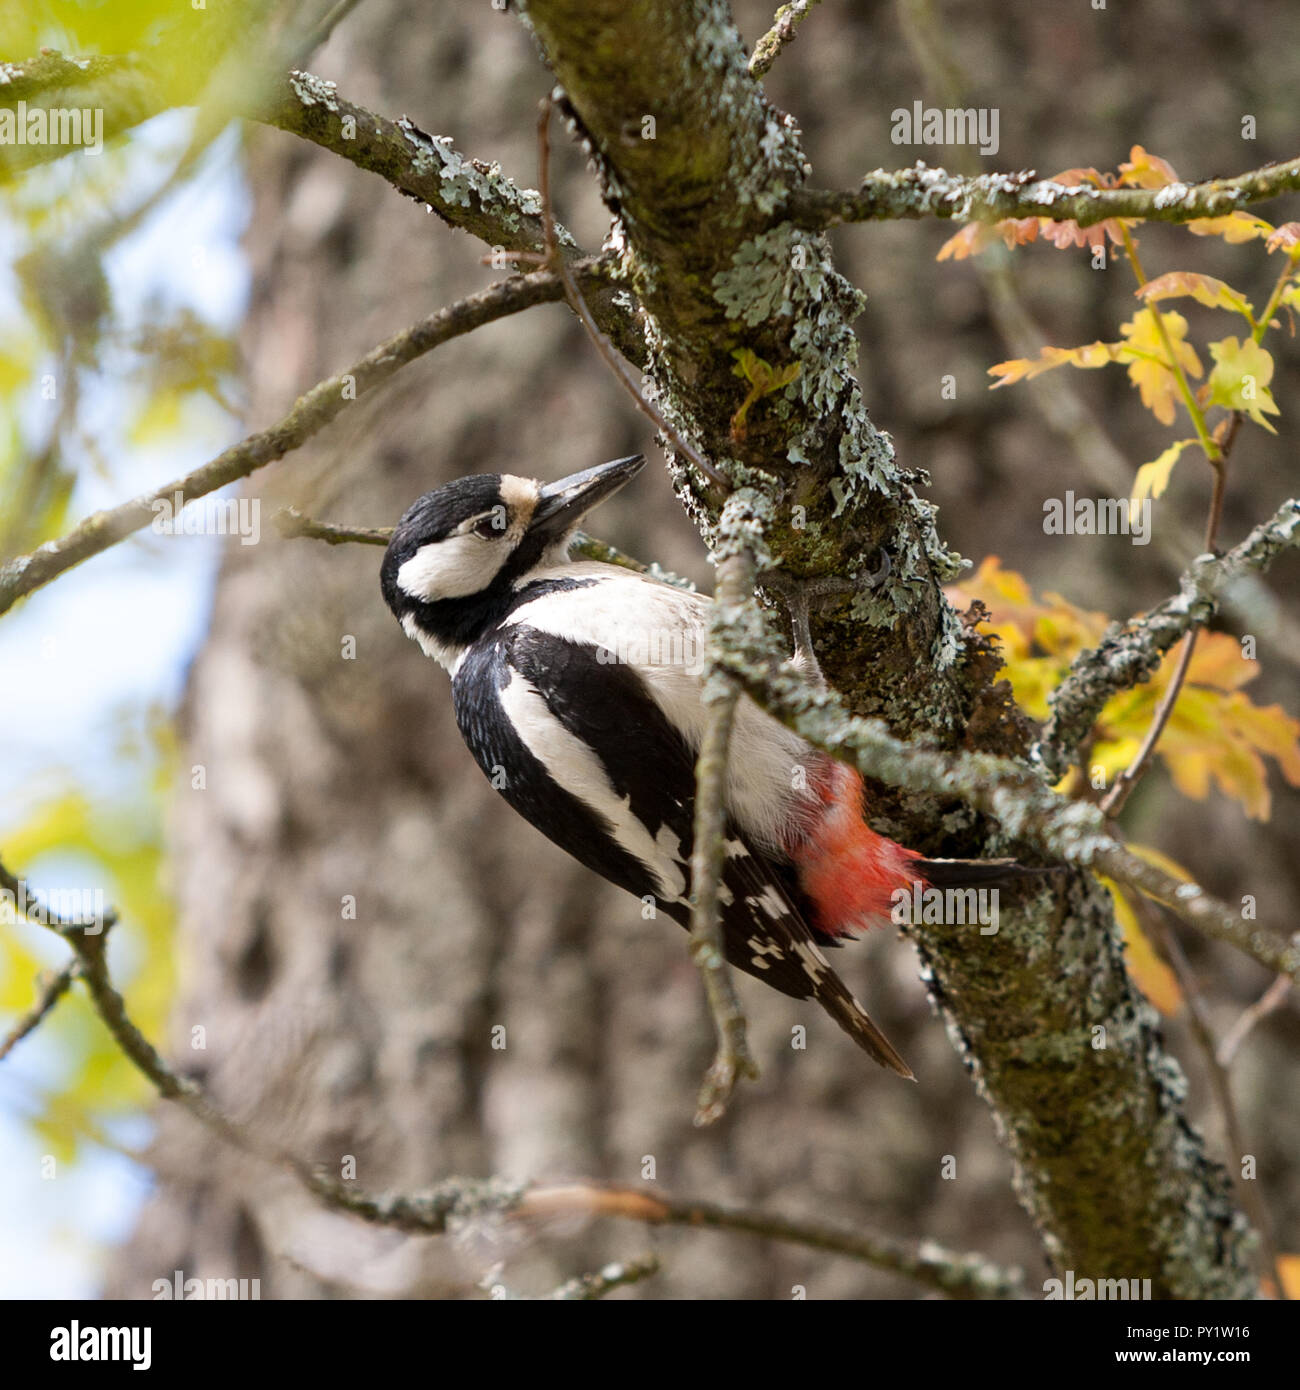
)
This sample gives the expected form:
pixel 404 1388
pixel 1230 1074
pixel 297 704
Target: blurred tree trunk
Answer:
pixel 329 778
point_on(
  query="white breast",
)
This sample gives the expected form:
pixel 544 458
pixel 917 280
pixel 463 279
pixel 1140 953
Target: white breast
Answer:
pixel 661 632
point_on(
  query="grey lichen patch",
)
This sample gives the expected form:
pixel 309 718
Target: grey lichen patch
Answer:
pixel 764 280
pixel 314 91
pixel 465 182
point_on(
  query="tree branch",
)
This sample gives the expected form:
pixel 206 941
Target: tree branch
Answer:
pixel 53 988
pixel 310 413
pixel 435 1210
pixel 1129 654
pixel 783 31
pixel 1028 810
pixel 735 588
pixel 923 192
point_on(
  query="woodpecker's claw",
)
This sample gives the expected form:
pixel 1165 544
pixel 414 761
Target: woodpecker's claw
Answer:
pixel 798 594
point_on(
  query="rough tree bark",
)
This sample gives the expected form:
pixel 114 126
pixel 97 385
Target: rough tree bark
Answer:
pixel 1105 1161
pixel 328 778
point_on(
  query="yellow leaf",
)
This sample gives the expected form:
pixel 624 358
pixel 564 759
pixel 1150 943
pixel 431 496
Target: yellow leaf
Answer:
pixel 1153 478
pixel 1205 289
pixel 1240 379
pixel 1235 227
pixel 1151 975
pixel 1020 368
pixel 1268 728
pixel 1149 367
pixel 1216 662
pixel 1145 170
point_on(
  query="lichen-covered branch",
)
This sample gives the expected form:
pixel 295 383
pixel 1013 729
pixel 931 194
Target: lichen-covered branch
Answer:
pixel 785 27
pixel 311 413
pixel 704 177
pixel 1128 654
pixel 439 1209
pixel 121 91
pixel 923 192
pixel 735 586
pixel 1029 812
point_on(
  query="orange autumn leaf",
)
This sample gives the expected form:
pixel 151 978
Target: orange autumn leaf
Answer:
pixel 971 240
pixel 1026 369
pixel 1204 289
pixel 1144 170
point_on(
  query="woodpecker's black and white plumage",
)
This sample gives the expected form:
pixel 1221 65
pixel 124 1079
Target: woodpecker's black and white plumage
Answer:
pixel 577 687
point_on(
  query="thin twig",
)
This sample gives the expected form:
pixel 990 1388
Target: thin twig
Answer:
pixel 786 23
pixel 1159 931
pixel 957 1275
pixel 311 413
pixel 605 1280
pixel 53 988
pixel 1216 453
pixel 735 585
pixel 292 525
pixel 1122 788
pixel 433 1210
pixel 622 372
pixel 1272 998
pixel 1129 653
pixel 1072 832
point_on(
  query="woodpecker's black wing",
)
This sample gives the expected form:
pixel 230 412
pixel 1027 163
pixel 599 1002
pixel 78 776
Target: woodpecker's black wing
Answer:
pixel 575 742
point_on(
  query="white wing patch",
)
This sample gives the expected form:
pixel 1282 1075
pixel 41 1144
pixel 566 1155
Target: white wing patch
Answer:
pixel 661 632
pixel 571 764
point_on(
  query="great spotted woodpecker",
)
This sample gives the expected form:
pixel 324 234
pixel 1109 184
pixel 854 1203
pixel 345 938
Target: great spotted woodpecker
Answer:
pixel 577 687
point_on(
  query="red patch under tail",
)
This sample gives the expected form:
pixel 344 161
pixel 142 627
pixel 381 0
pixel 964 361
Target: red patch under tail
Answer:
pixel 849 873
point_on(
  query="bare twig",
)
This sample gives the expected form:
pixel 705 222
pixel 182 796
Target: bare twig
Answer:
pixel 53 988
pixel 786 23
pixel 1072 832
pixel 957 1275
pixel 1159 931
pixel 1272 998
pixel 735 585
pixel 605 1280
pixel 1216 450
pixel 292 525
pixel 310 413
pixel 433 1210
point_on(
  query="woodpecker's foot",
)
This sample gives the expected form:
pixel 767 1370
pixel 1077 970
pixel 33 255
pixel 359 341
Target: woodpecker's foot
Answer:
pixel 798 595
pixel 730 1065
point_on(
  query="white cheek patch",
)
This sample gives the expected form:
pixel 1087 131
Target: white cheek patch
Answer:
pixel 453 568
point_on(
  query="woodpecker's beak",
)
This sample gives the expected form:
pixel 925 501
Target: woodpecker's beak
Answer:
pixel 560 506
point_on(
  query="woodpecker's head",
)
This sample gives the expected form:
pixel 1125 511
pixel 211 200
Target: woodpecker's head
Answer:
pixel 460 553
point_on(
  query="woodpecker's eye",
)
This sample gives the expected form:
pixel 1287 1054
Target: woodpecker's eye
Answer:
pixel 491 528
